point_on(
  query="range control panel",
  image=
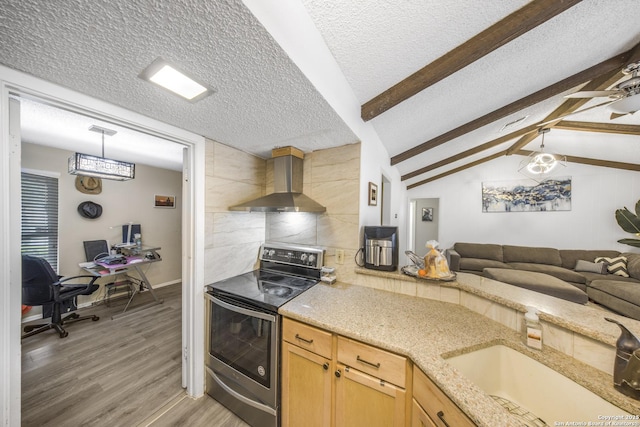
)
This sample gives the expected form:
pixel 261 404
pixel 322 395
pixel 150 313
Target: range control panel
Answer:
pixel 308 256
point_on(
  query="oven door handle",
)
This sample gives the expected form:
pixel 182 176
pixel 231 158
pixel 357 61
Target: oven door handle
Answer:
pixel 240 310
pixel 239 396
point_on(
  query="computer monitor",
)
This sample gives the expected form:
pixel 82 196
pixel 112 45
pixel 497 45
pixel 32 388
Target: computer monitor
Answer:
pixel 128 236
pixel 95 249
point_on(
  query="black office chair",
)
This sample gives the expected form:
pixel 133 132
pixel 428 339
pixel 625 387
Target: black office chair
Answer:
pixel 42 286
pixel 95 249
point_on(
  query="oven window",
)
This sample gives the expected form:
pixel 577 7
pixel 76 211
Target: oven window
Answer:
pixel 242 342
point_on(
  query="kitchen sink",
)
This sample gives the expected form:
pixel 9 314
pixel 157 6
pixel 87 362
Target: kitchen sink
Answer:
pixel 522 384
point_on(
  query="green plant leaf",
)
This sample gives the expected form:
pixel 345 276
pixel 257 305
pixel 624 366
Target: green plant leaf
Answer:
pixel 638 208
pixel 628 221
pixel 630 242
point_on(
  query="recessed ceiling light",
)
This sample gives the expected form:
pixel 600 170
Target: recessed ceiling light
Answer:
pixel 169 77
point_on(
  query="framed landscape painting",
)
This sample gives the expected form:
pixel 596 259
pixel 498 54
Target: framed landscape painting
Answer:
pixel 162 201
pixel 553 194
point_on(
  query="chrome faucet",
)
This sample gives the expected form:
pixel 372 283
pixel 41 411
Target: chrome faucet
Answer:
pixel 626 369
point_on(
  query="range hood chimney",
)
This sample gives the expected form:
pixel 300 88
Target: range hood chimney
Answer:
pixel 287 183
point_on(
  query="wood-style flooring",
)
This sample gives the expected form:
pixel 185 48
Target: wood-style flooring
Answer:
pixel 123 372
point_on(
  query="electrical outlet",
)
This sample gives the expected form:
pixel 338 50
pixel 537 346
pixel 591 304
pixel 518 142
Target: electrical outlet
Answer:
pixel 339 256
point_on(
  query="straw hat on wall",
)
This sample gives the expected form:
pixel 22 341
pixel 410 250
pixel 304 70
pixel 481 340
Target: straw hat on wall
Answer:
pixel 88 184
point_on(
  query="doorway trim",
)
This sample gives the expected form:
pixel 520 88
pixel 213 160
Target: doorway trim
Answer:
pixel 15 82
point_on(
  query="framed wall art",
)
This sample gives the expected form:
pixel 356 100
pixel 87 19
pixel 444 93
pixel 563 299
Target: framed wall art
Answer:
pixel 162 201
pixel 553 194
pixel 373 194
pixel 427 214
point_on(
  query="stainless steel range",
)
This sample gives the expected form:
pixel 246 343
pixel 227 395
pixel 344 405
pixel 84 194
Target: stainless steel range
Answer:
pixel 243 330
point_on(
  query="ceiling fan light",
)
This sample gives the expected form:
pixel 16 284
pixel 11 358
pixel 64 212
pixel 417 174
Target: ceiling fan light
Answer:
pixel 626 105
pixel 541 163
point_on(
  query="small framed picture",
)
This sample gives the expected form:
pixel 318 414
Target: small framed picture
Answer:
pixel 373 194
pixel 162 201
pixel 427 214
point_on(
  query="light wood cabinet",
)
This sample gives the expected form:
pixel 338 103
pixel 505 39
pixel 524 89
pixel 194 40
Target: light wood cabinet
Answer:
pixel 366 401
pixel 306 388
pixel 436 406
pixel 307 373
pixel 329 380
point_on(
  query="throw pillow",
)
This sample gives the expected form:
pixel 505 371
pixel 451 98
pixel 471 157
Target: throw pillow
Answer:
pixel 591 267
pixel 617 265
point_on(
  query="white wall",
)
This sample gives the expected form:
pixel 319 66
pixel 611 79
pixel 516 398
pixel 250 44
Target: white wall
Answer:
pixel 121 202
pixel 596 193
pixel 375 162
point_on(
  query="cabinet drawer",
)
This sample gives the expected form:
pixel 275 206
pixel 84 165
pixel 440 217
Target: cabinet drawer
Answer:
pixel 376 362
pixel 307 337
pixel 419 418
pixel 440 408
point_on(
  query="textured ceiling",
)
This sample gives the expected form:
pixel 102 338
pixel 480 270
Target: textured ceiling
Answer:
pixel 98 48
pixel 262 99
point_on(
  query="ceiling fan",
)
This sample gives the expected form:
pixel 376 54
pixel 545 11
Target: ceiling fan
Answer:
pixel 625 95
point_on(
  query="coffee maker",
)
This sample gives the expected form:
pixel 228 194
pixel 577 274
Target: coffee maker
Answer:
pixel 381 248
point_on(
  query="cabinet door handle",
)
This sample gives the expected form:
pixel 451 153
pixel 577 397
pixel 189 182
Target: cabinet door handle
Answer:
pixel 325 366
pixel 373 365
pixel 298 337
pixel 338 373
pixel 440 415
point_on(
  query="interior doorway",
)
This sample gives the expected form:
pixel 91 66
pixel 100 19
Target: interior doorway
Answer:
pixel 424 219
pixel 16 85
pixel 385 211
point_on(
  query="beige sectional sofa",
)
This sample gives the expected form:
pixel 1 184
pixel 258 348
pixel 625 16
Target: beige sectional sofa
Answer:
pixel 570 274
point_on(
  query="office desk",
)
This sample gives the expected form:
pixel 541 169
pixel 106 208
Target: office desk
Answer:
pixel 134 264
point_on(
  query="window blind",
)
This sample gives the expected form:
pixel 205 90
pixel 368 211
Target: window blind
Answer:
pixel 40 217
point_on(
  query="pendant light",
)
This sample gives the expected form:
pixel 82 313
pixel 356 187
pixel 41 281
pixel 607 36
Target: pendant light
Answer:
pixel 539 165
pixel 101 167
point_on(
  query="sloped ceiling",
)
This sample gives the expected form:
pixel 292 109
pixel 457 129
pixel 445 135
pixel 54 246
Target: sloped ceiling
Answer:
pixel 263 100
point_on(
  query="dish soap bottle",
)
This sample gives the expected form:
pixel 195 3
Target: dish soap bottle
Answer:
pixel 532 330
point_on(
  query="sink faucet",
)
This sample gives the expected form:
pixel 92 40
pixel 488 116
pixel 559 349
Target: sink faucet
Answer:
pixel 626 369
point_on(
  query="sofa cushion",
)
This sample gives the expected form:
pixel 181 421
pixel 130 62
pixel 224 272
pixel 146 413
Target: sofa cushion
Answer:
pixel 552 270
pixel 620 296
pixel 595 276
pixel 475 264
pixel 549 256
pixel 538 282
pixel 479 250
pixel 571 256
pixel 617 265
pixel 633 264
pixel 591 267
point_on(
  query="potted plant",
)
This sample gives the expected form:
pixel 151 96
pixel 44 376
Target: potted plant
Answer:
pixel 629 222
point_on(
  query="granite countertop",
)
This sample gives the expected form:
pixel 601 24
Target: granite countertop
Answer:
pixel 428 331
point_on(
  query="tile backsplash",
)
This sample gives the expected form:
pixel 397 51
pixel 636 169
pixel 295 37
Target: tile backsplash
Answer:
pixel 232 241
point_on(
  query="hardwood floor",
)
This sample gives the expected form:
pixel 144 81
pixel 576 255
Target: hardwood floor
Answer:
pixel 123 372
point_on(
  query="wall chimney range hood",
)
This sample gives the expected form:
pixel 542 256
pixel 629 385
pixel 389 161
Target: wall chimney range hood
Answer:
pixel 287 183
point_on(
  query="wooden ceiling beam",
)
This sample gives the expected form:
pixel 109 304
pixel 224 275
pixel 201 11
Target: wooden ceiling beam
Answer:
pixel 458 169
pixel 593 162
pixel 516 24
pixel 475 150
pixel 571 105
pixel 615 63
pixel 599 127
